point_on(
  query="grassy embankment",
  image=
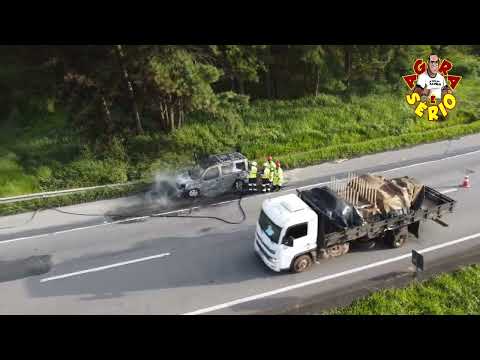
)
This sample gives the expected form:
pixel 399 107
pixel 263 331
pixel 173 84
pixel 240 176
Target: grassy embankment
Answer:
pixel 457 293
pixel 38 152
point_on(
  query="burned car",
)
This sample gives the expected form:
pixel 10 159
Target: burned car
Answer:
pixel 214 175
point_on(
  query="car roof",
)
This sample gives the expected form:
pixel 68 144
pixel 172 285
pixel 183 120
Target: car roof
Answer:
pixel 220 158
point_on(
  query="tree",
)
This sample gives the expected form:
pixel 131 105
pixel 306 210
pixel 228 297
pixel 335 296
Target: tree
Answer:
pixel 121 60
pixel 180 83
pixel 314 57
pixel 240 64
pixel 90 85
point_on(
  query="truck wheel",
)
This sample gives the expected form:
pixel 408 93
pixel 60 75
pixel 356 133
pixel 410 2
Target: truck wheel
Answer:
pixel 193 193
pixel 338 250
pixel 301 264
pixel 396 238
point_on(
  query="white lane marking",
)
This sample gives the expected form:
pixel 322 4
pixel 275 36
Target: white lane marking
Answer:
pixel 175 211
pixel 328 277
pixel 104 267
pixel 449 191
pixel 91 226
pixel 385 171
pixel 23 238
pixel 224 202
pixel 2 242
pixel 434 161
pixel 256 197
pixel 76 229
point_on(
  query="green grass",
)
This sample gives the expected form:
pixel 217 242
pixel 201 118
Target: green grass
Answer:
pixel 457 293
pixel 12 178
pixel 284 128
pixel 40 152
pixel 326 127
pixel 44 154
pixel 378 145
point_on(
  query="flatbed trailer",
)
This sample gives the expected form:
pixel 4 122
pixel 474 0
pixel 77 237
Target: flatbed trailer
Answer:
pixel 432 205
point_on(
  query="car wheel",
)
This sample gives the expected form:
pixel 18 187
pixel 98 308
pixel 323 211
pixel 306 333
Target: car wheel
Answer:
pixel 193 193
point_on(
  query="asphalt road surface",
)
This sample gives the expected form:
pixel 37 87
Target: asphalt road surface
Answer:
pixel 198 266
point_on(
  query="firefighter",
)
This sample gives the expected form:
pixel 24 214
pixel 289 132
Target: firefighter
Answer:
pixel 266 176
pixel 271 163
pixel 252 177
pixel 272 173
pixel 277 177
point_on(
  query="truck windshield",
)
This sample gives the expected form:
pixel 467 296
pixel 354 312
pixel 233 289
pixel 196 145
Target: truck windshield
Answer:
pixel 269 228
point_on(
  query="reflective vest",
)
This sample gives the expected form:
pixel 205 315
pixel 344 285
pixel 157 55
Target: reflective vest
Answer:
pixel 278 177
pixel 266 173
pixel 253 172
pixel 272 166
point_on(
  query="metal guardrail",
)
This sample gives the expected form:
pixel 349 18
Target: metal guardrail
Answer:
pixel 19 198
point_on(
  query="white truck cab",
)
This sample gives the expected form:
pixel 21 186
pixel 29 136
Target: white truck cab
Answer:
pixel 286 230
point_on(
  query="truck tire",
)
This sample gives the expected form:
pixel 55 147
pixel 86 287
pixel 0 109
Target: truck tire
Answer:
pixel 301 264
pixel 396 238
pixel 338 250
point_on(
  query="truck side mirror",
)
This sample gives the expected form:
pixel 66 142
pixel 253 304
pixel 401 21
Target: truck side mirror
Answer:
pixel 288 241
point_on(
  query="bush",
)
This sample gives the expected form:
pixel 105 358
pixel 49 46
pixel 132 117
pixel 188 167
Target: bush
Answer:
pixel 376 145
pixel 45 177
pixel 303 131
pixel 229 99
pixel 466 66
pixel 143 144
pixel 455 293
pixel 116 151
pixel 13 180
pixel 90 172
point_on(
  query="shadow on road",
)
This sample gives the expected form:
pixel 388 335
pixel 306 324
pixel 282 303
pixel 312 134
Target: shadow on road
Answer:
pixel 206 260
pixel 24 268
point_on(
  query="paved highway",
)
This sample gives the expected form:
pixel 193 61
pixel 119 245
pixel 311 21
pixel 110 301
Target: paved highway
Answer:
pixel 194 266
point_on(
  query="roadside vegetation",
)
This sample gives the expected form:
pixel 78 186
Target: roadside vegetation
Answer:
pixel 457 293
pixel 69 121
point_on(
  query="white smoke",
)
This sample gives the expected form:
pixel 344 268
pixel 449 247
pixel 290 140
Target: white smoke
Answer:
pixel 163 190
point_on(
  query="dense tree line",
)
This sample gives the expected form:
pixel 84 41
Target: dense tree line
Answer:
pixel 112 88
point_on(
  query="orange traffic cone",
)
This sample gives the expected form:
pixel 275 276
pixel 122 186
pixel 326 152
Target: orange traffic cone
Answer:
pixel 466 182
